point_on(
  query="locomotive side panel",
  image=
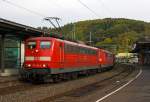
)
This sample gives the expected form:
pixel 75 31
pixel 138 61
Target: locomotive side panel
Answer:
pixel 106 59
pixel 57 53
pixel 75 58
pixel 102 58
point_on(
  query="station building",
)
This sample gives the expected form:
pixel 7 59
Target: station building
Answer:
pixel 12 36
pixel 142 47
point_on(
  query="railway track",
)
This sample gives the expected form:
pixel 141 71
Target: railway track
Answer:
pixel 53 91
pixel 72 95
pixel 10 87
pixel 8 81
pixel 18 86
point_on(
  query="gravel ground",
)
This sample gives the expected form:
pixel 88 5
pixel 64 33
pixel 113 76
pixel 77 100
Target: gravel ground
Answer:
pixel 40 92
pixel 8 79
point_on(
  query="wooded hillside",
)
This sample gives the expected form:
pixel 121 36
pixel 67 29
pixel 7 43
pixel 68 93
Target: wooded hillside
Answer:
pixel 117 35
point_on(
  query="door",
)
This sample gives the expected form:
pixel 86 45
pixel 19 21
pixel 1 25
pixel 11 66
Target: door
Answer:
pixel 61 54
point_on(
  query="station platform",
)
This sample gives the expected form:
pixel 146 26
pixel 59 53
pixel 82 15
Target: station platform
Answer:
pixel 9 72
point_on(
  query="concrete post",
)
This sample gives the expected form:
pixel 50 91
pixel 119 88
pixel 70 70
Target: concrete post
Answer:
pixel 2 53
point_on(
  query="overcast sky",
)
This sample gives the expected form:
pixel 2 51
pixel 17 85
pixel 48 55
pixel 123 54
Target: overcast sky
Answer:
pixel 32 12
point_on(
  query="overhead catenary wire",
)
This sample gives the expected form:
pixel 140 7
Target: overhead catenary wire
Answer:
pixel 26 9
pixel 33 12
pixel 42 15
pixel 83 4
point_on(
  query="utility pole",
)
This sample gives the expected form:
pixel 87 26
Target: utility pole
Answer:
pixel 90 39
pixel 74 31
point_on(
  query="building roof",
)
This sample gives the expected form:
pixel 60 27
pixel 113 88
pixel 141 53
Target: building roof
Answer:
pixel 142 46
pixel 20 30
pixel 13 28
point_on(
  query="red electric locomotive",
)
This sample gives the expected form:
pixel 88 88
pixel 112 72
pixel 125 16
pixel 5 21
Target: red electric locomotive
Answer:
pixel 106 59
pixel 50 56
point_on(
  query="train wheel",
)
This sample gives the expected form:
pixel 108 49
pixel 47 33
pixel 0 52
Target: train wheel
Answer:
pixel 67 76
pixel 99 70
pixel 74 75
pixel 47 79
pixel 56 78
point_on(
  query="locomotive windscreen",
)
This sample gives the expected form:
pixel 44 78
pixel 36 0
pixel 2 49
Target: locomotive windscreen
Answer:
pixel 31 44
pixel 45 44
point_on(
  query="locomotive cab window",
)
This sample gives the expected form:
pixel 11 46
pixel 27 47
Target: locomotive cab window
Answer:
pixel 45 44
pixel 31 45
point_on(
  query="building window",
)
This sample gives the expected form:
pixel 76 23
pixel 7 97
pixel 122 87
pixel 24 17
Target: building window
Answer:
pixel 12 52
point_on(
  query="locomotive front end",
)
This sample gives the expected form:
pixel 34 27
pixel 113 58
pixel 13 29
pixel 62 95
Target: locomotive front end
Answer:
pixel 38 53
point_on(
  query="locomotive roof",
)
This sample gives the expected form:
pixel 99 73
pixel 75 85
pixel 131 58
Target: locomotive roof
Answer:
pixel 40 38
pixel 106 51
pixel 69 42
pixel 74 43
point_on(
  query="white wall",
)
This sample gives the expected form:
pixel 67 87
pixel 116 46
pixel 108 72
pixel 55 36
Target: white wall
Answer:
pixel 22 53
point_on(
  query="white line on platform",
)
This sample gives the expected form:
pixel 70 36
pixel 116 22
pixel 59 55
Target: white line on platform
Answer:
pixel 99 100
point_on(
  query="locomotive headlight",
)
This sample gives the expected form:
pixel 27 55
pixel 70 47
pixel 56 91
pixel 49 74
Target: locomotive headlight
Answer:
pixel 36 50
pixel 44 65
pixel 100 60
pixel 29 65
